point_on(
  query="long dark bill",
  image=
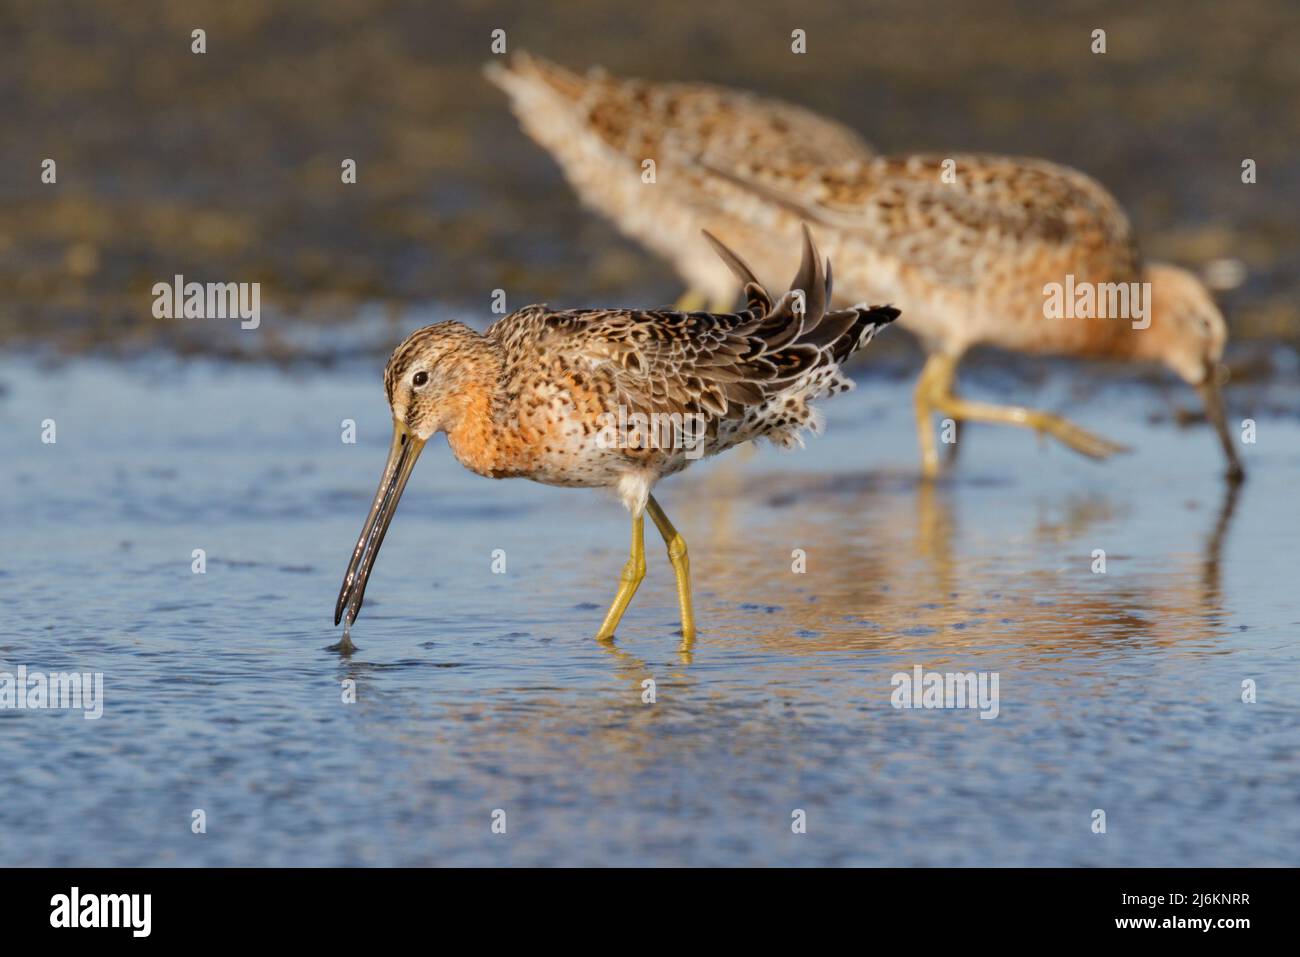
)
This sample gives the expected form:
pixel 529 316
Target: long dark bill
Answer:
pixel 1212 396
pixel 405 450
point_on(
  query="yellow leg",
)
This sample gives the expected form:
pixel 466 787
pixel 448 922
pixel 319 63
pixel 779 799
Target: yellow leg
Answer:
pixel 940 396
pixel 950 452
pixel 691 300
pixel 921 399
pixel 723 304
pixel 681 565
pixel 629 580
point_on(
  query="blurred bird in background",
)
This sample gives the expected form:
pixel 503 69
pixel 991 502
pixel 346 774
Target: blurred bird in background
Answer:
pixel 967 245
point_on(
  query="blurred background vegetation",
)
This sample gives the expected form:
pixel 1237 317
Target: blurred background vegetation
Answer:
pixel 225 167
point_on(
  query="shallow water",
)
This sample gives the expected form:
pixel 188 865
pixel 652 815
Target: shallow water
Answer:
pixel 479 691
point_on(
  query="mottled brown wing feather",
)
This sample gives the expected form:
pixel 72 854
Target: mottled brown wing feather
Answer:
pixel 718 364
pixel 641 118
pixel 992 203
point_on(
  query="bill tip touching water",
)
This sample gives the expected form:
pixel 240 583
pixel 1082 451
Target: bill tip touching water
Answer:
pixel 614 398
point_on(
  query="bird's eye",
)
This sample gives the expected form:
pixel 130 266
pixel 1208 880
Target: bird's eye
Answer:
pixel 420 378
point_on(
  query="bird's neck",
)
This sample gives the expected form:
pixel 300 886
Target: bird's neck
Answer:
pixel 1146 340
pixel 472 417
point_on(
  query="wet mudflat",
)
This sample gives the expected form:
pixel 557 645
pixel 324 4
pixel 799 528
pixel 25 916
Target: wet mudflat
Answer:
pixel 478 691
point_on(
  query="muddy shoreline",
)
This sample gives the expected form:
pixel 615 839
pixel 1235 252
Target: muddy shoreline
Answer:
pixel 226 166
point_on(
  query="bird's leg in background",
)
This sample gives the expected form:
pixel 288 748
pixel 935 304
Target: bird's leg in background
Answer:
pixel 1212 396
pixel 924 424
pixel 952 447
pixel 941 396
pixel 692 300
pixel 723 305
pixel 950 454
pixel 629 580
pixel 681 566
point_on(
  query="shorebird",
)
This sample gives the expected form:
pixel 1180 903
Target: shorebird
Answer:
pixel 985 250
pixel 965 244
pixel 602 129
pixel 545 395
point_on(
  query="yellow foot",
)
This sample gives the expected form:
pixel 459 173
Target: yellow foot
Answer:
pixel 629 581
pixel 681 567
pixel 934 390
pixel 1080 439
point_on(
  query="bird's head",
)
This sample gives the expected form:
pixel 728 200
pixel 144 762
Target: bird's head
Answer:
pixel 1188 334
pixel 427 377
pixel 429 381
pixel 1187 331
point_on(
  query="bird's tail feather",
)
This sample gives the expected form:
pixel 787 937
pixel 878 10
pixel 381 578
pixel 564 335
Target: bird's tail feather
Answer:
pixel 802 320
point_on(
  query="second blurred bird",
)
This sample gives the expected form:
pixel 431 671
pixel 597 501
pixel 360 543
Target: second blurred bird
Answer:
pixel 965 244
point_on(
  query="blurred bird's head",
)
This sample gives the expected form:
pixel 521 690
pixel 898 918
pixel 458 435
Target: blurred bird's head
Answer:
pixel 1187 333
